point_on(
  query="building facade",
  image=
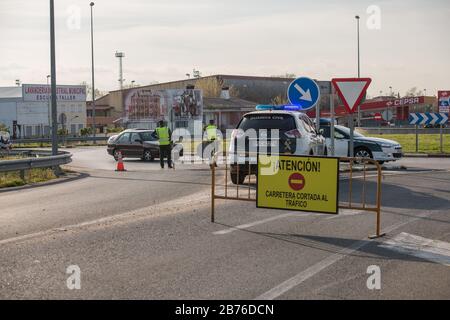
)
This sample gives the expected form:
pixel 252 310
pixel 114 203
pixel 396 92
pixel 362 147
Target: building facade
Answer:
pixel 26 110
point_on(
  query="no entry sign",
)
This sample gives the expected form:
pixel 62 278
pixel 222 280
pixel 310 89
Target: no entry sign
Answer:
pixel 298 183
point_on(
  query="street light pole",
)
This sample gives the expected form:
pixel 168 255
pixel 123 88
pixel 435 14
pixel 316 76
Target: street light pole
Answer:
pixel 359 67
pixel 93 84
pixel 53 78
pixel 49 111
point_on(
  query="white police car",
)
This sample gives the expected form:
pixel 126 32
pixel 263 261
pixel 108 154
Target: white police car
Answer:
pixel 271 130
pixel 382 150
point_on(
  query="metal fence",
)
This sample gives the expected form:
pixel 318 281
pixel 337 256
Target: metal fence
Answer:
pixel 34 159
pixel 245 191
pixel 60 139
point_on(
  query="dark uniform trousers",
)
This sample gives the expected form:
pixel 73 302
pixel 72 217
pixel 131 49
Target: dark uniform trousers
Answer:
pixel 165 152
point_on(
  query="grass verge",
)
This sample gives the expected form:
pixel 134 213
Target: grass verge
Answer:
pixel 428 143
pixel 13 179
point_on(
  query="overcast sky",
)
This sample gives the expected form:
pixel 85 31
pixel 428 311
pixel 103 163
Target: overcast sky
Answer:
pixel 165 39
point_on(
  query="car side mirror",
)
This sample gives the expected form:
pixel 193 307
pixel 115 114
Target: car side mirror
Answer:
pixel 321 131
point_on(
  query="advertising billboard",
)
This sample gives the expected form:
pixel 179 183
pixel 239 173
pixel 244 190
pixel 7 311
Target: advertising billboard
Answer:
pixel 39 92
pixel 146 105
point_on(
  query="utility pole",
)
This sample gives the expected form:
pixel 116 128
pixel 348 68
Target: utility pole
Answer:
pixel 53 80
pixel 93 83
pixel 359 68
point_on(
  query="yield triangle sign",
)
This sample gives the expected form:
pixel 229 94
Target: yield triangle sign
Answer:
pixel 351 91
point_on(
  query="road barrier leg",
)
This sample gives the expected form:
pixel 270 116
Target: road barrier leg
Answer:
pixel 378 223
pixel 213 190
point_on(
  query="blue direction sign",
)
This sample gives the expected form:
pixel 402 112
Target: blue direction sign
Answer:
pixel 304 93
pixel 428 118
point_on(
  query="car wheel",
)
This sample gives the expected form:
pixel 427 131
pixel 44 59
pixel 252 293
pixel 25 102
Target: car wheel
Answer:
pixel 234 178
pixel 381 162
pixel 147 156
pixel 363 153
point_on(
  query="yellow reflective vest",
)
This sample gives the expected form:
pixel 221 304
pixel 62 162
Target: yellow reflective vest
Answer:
pixel 211 131
pixel 163 136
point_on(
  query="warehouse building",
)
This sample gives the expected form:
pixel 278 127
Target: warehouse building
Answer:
pixel 26 110
pixel 224 98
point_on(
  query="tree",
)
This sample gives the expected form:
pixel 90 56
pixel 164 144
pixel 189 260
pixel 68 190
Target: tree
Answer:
pixel 212 87
pixel 413 92
pixel 280 100
pixel 98 93
pixel 85 131
pixel 3 128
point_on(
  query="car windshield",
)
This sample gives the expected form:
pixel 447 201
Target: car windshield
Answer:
pixel 147 136
pixel 346 131
pixel 282 122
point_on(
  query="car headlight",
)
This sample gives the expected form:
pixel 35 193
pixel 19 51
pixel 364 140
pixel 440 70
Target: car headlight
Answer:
pixel 383 145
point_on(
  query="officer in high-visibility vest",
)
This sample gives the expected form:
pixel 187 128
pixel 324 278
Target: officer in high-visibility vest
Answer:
pixel 211 131
pixel 164 135
pixel 211 138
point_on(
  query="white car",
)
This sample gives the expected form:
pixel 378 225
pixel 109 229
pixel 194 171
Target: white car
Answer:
pixel 379 149
pixel 296 135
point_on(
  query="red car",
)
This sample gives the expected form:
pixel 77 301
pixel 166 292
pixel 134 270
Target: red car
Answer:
pixel 137 143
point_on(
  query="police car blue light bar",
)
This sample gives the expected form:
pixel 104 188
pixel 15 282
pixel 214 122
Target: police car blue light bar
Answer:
pixel 262 107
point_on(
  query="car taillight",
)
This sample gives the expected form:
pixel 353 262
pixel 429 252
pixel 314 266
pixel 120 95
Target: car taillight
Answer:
pixel 293 134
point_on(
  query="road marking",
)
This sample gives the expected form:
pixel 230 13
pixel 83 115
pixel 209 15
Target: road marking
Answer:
pixel 199 199
pixel 325 263
pixel 342 213
pixel 427 249
pixel 310 272
pixel 345 213
pixel 252 224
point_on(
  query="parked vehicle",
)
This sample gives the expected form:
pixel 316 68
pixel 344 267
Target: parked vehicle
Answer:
pixel 379 149
pixel 296 135
pixel 5 142
pixel 136 143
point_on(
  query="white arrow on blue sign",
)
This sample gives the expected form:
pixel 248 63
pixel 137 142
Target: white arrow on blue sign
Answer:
pixel 428 118
pixel 304 93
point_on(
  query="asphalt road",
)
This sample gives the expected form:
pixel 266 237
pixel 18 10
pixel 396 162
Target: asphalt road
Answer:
pixel 146 234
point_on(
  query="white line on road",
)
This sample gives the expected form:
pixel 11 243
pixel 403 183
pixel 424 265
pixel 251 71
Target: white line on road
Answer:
pixel 427 249
pixel 342 213
pixel 252 224
pixel 199 199
pixel 321 265
pixel 311 271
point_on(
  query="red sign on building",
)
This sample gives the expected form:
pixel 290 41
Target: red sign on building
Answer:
pixel 444 101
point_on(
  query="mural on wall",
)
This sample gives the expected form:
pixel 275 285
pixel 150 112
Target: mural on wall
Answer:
pixel 146 105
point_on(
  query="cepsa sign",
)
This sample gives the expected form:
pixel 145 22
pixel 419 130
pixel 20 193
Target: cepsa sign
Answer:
pixel 298 183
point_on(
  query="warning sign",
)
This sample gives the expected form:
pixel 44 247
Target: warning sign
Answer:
pixel 298 183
